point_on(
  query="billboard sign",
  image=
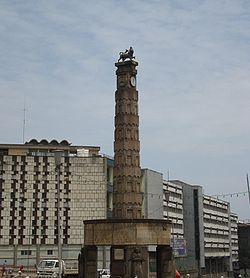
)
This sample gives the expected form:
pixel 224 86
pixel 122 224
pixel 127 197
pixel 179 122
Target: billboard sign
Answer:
pixel 179 247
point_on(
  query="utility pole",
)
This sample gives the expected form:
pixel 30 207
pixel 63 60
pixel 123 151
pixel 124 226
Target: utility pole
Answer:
pixel 248 189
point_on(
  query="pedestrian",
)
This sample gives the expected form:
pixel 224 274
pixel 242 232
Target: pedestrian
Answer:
pixel 188 275
pixel 4 268
pixel 21 268
pixel 177 274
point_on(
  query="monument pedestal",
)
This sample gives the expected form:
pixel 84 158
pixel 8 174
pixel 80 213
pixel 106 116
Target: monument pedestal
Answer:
pixel 128 239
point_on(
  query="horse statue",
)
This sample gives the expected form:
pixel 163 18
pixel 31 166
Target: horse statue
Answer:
pixel 127 54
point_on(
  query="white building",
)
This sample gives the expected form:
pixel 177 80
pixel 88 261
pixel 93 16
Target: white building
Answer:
pixel 217 236
pixel 28 199
pixel 173 207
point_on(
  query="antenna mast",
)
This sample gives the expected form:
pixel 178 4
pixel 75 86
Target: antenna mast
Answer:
pixel 248 189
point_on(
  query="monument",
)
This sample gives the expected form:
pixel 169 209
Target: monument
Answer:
pixel 127 199
pixel 128 233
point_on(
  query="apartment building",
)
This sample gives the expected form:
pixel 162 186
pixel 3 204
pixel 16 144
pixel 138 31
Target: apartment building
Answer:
pixel 152 190
pixel 244 247
pixel 217 235
pixel 29 200
pixel 234 240
pixel 162 199
pixel 210 230
pixel 173 208
pixel 204 231
pixel 193 233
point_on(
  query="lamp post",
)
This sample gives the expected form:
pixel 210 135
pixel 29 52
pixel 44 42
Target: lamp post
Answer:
pixel 58 155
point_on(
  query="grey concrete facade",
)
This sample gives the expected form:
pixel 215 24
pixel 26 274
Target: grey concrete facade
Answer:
pixel 153 195
pixel 208 227
pixel 193 226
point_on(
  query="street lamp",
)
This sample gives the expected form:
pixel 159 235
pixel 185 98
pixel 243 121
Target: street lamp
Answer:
pixel 58 155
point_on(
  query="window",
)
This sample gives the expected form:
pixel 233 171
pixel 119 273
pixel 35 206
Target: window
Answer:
pixel 50 252
pixel 43 232
pixel 25 252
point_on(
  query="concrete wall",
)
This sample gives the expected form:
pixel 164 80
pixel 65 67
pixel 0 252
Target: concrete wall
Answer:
pixel 152 183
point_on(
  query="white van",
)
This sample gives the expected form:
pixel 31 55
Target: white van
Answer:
pixel 49 268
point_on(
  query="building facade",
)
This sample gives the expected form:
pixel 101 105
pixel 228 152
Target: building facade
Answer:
pixel 28 199
pixel 173 208
pixel 217 235
pixel 204 231
pixel 244 247
pixel 153 194
pixel 234 240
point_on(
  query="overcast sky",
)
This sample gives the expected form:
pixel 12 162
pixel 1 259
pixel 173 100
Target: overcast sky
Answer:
pixel 193 79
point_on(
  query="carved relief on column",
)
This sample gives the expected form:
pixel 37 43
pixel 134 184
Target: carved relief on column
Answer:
pixel 127 198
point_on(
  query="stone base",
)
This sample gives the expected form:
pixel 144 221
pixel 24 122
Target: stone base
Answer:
pixel 128 239
pixel 127 232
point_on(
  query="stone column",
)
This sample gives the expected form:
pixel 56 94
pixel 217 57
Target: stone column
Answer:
pixel 127 200
pixel 165 262
pixel 90 262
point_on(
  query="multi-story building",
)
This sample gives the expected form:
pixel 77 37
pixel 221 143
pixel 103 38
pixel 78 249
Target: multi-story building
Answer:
pixel 234 240
pixel 173 208
pixel 204 232
pixel 162 199
pixel 28 199
pixel 151 188
pixel 192 226
pixel 210 230
pixel 244 247
pixel 217 236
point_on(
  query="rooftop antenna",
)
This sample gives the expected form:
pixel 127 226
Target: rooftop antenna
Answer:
pixel 24 118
